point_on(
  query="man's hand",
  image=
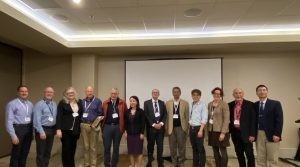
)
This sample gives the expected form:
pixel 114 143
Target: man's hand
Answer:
pixel 200 134
pixel 251 138
pixel 222 136
pixel 58 133
pixel 276 139
pixel 15 141
pixel 42 136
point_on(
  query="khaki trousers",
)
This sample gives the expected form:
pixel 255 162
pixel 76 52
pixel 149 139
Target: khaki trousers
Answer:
pixel 267 152
pixel 177 142
pixel 90 138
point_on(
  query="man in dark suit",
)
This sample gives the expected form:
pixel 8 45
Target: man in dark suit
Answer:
pixel 270 123
pixel 242 127
pixel 156 114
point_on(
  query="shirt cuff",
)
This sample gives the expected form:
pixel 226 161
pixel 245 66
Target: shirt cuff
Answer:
pixel 203 122
pixel 162 124
pixel 153 125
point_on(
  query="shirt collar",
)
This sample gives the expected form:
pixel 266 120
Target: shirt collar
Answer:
pixel 263 101
pixel 89 100
pixel 153 101
pixel 239 102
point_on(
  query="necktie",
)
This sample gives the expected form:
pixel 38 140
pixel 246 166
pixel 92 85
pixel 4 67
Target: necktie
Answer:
pixel 261 107
pixel 156 111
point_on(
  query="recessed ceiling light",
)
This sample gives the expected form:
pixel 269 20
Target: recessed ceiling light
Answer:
pixel 77 1
pixel 60 18
pixel 192 12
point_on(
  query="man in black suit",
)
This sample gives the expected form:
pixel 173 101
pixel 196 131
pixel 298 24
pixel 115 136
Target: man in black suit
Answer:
pixel 242 127
pixel 156 114
pixel 270 123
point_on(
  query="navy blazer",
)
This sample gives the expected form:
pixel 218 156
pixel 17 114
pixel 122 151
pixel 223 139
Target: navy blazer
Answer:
pixel 273 120
pixel 149 112
pixel 248 120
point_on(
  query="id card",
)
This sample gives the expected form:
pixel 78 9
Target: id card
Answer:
pixel 115 115
pixel 75 114
pixel 236 122
pixel 175 116
pixel 85 115
pixel 211 121
pixel 27 119
pixel 50 119
pixel 157 114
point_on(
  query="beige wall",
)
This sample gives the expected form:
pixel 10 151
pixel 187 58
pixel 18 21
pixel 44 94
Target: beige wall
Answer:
pixel 41 70
pixel 10 78
pixel 277 70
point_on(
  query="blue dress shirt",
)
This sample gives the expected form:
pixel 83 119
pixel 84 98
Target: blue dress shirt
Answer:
pixel 44 114
pixel 17 112
pixel 91 109
pixel 198 114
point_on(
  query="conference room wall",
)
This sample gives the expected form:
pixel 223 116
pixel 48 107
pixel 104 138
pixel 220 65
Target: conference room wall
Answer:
pixel 10 78
pixel 279 71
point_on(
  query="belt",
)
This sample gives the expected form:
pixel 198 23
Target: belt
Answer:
pixel 48 127
pixel 23 125
pixel 111 123
pixel 194 127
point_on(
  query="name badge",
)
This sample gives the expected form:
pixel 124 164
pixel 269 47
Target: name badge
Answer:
pixel 211 121
pixel 236 122
pixel 85 115
pixel 50 119
pixel 75 114
pixel 115 115
pixel 27 119
pixel 157 114
pixel 175 116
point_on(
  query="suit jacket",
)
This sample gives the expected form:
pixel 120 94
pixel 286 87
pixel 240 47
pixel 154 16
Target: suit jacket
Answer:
pixel 149 113
pixel 64 118
pixel 184 116
pixel 220 117
pixel 137 126
pixel 248 120
pixel 273 121
pixel 122 107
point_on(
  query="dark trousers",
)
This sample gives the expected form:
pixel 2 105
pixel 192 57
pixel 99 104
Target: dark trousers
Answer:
pixel 157 136
pixel 111 134
pixel 20 151
pixel 241 148
pixel 69 143
pixel 220 155
pixel 199 157
pixel 44 147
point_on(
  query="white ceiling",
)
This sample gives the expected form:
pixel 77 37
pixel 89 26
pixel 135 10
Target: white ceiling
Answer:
pixel 98 20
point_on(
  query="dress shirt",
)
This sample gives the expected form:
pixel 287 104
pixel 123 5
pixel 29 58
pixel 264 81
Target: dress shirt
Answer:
pixel 198 114
pixel 92 108
pixel 153 102
pixel 17 111
pixel 44 114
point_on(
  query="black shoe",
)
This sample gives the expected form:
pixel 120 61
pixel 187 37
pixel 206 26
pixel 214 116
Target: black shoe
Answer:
pixel 149 164
pixel 150 159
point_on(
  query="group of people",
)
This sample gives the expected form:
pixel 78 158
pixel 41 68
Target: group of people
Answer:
pixel 244 121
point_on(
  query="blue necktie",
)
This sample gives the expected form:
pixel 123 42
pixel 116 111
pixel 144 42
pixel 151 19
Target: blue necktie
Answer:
pixel 156 111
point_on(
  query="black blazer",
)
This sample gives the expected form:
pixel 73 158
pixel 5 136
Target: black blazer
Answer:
pixel 64 119
pixel 248 120
pixel 273 121
pixel 149 113
pixel 138 124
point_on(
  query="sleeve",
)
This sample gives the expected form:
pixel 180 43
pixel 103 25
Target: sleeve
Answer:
pixel 9 112
pixel 147 114
pixel 278 119
pixel 143 123
pixel 253 121
pixel 59 114
pixel 164 118
pixel 100 108
pixel 226 119
pixel 204 115
pixel 37 116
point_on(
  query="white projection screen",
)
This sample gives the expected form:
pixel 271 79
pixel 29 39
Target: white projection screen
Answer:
pixel 144 75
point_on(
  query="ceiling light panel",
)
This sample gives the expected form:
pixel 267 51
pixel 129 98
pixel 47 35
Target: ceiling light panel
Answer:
pixel 118 3
pixel 84 4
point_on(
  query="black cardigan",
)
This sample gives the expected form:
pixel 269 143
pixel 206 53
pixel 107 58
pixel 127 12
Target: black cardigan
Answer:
pixel 138 125
pixel 64 119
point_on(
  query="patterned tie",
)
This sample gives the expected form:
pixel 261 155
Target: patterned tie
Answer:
pixel 156 111
pixel 261 107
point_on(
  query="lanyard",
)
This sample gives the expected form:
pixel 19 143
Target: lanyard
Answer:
pixel 87 107
pixel 25 106
pixel 51 109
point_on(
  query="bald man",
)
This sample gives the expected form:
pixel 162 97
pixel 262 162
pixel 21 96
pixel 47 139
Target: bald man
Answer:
pixel 243 127
pixel 92 108
pixel 44 121
pixel 156 115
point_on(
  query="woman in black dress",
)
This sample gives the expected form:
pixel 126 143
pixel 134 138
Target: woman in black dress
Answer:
pixel 134 131
pixel 69 113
